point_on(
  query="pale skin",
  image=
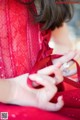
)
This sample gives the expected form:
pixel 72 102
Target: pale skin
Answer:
pixel 62 40
pixel 16 90
pixel 63 45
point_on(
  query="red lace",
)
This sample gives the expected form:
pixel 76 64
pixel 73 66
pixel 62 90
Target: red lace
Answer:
pixel 19 39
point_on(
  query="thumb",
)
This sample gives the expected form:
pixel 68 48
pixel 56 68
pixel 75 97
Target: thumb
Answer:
pixel 58 65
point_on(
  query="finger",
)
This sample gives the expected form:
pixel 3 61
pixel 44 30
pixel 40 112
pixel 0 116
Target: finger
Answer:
pixel 42 79
pixel 50 69
pixel 65 58
pixel 76 57
pixel 64 67
pixel 53 69
pixel 49 90
pixel 68 73
pixel 58 76
pixel 46 94
pixel 54 106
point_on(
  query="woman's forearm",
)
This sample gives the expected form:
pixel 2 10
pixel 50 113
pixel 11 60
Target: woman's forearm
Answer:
pixel 8 87
pixel 6 92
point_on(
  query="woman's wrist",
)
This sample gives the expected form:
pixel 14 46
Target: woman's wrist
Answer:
pixel 7 88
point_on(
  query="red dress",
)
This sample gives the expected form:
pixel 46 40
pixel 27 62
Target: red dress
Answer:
pixel 21 40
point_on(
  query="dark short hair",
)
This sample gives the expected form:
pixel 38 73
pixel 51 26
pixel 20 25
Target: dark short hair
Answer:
pixel 52 14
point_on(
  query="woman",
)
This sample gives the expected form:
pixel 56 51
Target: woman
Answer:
pixel 23 44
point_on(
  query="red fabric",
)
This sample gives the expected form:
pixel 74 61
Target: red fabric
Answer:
pixel 18 33
pixel 22 48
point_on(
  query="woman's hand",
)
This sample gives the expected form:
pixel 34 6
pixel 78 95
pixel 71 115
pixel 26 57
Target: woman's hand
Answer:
pixel 40 98
pixel 68 67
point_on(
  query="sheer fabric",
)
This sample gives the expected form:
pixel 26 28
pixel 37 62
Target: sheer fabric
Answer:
pixel 18 35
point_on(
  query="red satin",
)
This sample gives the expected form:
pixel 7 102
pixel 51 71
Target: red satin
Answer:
pixel 23 48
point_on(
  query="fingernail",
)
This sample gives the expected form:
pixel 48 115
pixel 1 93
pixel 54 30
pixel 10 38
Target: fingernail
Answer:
pixel 60 98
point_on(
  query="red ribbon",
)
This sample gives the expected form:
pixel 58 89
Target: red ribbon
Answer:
pixel 45 59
